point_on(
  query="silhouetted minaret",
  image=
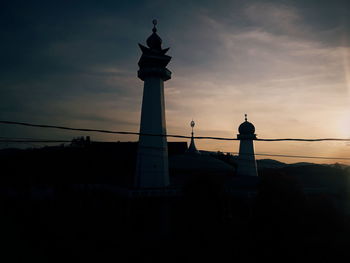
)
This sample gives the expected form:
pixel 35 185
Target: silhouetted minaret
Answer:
pixel 152 158
pixel 246 158
pixel 192 148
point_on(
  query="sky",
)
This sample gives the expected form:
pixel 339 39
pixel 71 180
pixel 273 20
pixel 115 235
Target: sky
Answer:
pixel 284 63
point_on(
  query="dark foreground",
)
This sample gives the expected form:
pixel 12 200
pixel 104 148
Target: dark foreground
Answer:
pixel 60 222
pixel 42 221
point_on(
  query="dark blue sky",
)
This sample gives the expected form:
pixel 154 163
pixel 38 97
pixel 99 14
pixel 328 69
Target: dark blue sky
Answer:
pixel 74 63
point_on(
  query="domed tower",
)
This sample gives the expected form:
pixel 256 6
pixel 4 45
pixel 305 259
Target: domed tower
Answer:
pixel 246 158
pixel 152 157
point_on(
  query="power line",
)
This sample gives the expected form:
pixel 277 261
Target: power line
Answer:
pixel 259 154
pixel 294 156
pixel 11 138
pixel 164 135
pixel 35 141
pixel 304 140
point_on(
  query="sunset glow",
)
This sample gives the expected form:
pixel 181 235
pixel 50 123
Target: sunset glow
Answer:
pixel 286 65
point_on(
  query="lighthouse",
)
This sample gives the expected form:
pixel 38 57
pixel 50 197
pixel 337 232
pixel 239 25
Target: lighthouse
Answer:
pixel 152 156
pixel 246 157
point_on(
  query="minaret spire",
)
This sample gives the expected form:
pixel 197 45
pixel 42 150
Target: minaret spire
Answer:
pixel 192 148
pixel 192 125
pixel 245 117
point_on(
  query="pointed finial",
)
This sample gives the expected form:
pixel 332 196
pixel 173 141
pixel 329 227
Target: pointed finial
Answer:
pixel 154 41
pixel 192 148
pixel 245 117
pixel 192 123
pixel 154 21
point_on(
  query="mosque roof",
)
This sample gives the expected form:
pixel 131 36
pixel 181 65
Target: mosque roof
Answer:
pixel 199 163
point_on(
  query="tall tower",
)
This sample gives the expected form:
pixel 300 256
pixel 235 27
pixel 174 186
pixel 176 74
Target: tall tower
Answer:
pixel 152 157
pixel 246 158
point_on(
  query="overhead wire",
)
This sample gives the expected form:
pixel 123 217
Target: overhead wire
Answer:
pixel 30 140
pixel 256 154
pixel 293 156
pixel 164 135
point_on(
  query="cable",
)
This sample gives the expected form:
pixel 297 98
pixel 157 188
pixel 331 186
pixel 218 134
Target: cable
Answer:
pixel 11 138
pixel 99 130
pixel 293 156
pixel 304 140
pixel 261 154
pixel 35 141
pixel 162 135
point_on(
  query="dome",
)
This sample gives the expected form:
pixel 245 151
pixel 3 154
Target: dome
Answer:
pixel 154 41
pixel 246 128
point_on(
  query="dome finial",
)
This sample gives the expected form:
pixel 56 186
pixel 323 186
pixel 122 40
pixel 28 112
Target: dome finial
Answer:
pixel 154 41
pixel 192 123
pixel 154 21
pixel 246 117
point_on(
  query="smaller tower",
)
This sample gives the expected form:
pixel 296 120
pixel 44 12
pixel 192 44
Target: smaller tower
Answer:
pixel 246 157
pixel 192 148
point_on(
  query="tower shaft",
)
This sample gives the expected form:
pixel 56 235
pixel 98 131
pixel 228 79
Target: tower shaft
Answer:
pixel 246 159
pixel 152 159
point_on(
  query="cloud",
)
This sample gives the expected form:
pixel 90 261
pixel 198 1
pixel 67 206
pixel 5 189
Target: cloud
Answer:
pixel 283 63
pixel 280 18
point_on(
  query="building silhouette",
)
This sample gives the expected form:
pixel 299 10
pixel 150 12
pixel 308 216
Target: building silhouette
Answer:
pixel 246 157
pixel 152 157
